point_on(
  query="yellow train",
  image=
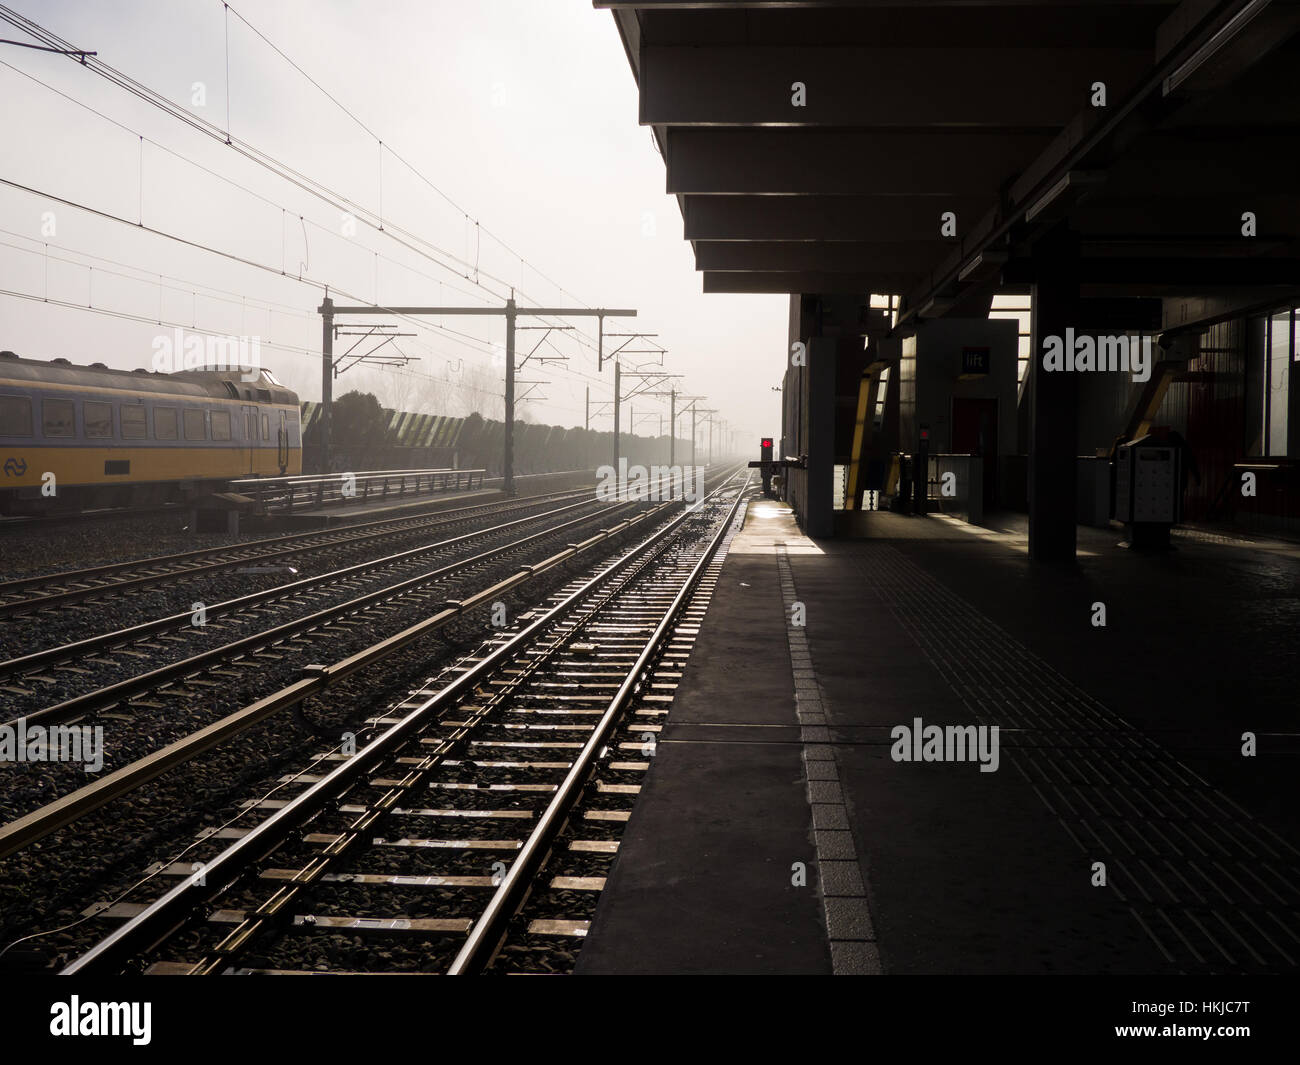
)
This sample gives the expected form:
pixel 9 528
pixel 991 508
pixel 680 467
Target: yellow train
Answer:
pixel 73 437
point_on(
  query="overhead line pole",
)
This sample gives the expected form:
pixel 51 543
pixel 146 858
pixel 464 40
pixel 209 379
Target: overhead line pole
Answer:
pixel 691 408
pixel 708 413
pixel 672 428
pixel 657 375
pixel 511 311
pixel 326 380
pixel 508 441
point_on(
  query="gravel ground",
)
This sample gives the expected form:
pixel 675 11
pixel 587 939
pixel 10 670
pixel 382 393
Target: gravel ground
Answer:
pixel 28 552
pixel 164 718
pixel 47 885
pixel 102 857
pixel 24 634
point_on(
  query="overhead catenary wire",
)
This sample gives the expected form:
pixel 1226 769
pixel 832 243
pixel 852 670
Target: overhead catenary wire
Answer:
pixel 318 284
pixel 304 182
pixel 415 171
pixel 318 189
pixel 283 271
pixel 146 319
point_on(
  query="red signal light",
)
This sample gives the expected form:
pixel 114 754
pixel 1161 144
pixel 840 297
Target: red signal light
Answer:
pixel 767 441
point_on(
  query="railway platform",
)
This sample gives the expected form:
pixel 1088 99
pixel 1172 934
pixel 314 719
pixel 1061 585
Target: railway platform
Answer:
pixel 801 816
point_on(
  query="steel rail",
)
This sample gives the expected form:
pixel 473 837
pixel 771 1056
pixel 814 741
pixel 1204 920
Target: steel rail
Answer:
pixel 71 807
pixel 52 656
pixel 21 522
pixel 301 541
pixel 90 572
pixel 489 930
pixel 112 694
pixel 169 913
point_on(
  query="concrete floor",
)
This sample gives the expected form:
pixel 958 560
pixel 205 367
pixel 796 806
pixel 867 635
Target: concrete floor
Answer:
pixel 1120 747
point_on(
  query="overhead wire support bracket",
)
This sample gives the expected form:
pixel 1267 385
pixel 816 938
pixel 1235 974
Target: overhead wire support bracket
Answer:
pixel 80 53
pixel 602 357
pixel 547 329
pixel 511 311
pixel 385 331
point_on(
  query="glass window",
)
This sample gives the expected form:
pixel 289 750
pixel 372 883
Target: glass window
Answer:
pixel 266 427
pixel 1278 353
pixel 15 416
pixel 164 423
pixel 56 417
pixel 196 425
pixel 99 419
pixel 882 393
pixel 1017 308
pixel 221 425
pixel 133 423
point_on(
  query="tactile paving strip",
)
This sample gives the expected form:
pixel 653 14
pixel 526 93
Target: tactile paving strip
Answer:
pixel 849 928
pixel 1214 888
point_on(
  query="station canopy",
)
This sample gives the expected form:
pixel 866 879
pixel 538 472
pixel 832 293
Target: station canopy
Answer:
pixel 921 147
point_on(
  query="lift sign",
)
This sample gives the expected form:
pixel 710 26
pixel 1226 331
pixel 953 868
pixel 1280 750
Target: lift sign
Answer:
pixel 974 362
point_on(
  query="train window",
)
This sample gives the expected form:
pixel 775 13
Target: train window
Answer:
pixel 133 423
pixel 56 417
pixel 164 423
pixel 16 416
pixel 99 419
pixel 250 425
pixel 266 427
pixel 221 425
pixel 195 425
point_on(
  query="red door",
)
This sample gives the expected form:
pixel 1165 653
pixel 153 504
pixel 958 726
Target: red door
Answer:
pixel 975 432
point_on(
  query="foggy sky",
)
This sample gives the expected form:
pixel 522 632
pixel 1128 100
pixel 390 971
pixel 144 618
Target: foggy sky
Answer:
pixel 522 113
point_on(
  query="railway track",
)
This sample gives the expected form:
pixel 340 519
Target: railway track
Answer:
pixel 502 781
pixel 51 591
pixel 161 717
pixel 19 523
pixel 177 636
